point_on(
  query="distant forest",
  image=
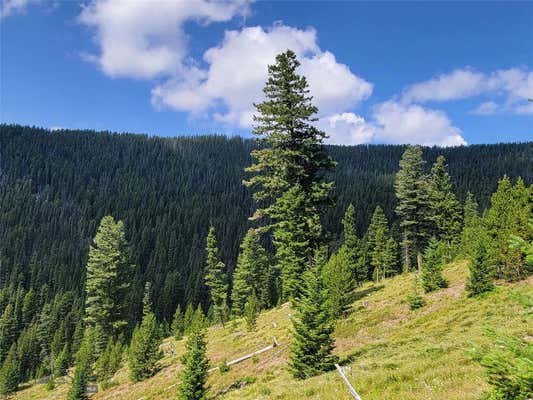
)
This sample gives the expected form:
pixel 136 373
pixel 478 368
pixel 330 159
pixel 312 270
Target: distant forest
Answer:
pixel 55 187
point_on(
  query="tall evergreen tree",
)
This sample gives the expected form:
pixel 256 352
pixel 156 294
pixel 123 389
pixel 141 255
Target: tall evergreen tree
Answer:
pixel 216 278
pixel 252 274
pixel 378 234
pixel 194 374
pixel 144 349
pixel 353 249
pixel 339 282
pixel 178 326
pixel 10 372
pixel 107 281
pixel 251 311
pixel 293 158
pixel 84 361
pixel 413 201
pixel 312 327
pixel 147 299
pixel 431 277
pixel 511 207
pixel 481 277
pixel 472 225
pixel 445 208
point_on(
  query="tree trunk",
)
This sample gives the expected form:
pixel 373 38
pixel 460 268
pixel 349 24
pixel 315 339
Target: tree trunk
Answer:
pixel 419 261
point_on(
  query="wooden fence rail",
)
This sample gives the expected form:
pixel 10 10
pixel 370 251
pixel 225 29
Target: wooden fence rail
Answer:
pixel 352 391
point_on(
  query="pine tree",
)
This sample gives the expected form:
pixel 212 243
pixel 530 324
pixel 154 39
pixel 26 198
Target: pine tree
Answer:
pixel 194 374
pixel 511 207
pixel 472 225
pixel 353 249
pixel 390 258
pixel 144 349
pixel 481 272
pixel 216 278
pixel 147 299
pixel 10 372
pixel 445 208
pixel 290 167
pixel 378 233
pixel 413 201
pixel 107 281
pixel 199 320
pixel 312 328
pixel 339 282
pixel 291 238
pixel 251 311
pixel 30 307
pixel 431 277
pixel 188 318
pixel 84 360
pixel 8 330
pixel 178 326
pixel 252 274
pixel 62 361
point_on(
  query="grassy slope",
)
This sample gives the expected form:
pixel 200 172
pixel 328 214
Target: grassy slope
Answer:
pixel 392 353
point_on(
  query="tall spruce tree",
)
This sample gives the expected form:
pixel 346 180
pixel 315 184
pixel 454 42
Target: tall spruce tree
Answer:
pixel 216 278
pixel 431 276
pixel 178 325
pixel 481 277
pixel 194 374
pixel 340 283
pixel 84 362
pixel 293 158
pixel 10 372
pixel 378 234
pixel 472 225
pixel 445 208
pixel 252 274
pixel 107 282
pixel 353 249
pixel 144 349
pixel 413 202
pixel 312 327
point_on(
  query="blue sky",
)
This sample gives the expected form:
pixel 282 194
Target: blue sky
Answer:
pixel 431 73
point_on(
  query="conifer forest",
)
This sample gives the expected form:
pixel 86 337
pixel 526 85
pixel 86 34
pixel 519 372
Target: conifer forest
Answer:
pixel 130 263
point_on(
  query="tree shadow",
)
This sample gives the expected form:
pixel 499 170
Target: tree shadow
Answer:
pixel 359 294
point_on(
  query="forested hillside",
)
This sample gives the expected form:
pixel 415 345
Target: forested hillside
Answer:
pixel 56 187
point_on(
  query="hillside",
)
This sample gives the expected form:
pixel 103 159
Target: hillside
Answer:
pixel 56 186
pixel 392 353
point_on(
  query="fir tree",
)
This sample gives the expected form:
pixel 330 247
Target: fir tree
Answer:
pixel 178 326
pixel 10 372
pixel 62 361
pixel 413 201
pixel 312 328
pixel 352 248
pixel 390 258
pixel 339 282
pixel 107 281
pixel 30 307
pixel 431 277
pixel 144 349
pixel 194 375
pixel 251 311
pixel 481 272
pixel 445 208
pixel 378 233
pixel 8 330
pixel 199 320
pixel 84 360
pixel 188 318
pixel 290 167
pixel 471 225
pixel 216 278
pixel 252 274
pixel 147 299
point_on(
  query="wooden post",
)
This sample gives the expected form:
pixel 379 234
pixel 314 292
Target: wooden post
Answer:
pixel 347 383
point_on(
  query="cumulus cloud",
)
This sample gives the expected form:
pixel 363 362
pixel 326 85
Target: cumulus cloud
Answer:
pixel 347 128
pixel 237 70
pixel 514 85
pixel 400 123
pixel 143 39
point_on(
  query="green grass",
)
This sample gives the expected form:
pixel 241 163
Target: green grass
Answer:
pixel 390 351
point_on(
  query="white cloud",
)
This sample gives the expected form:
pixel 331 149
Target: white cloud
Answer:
pixel 399 123
pixel 514 85
pixel 10 7
pixel 486 108
pixel 347 128
pixel 143 39
pixel 459 84
pixel 237 70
